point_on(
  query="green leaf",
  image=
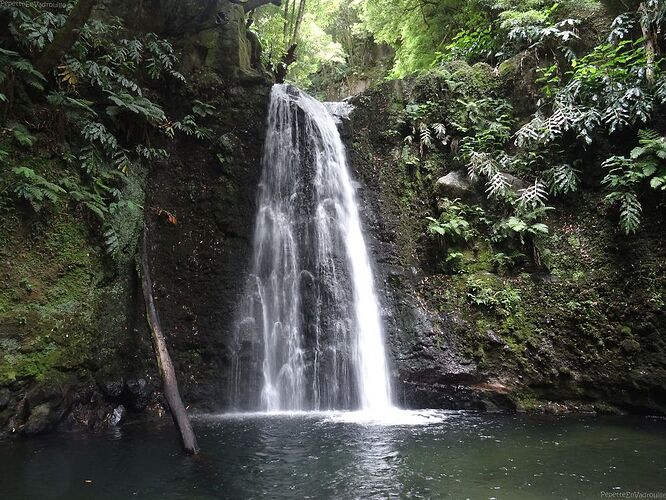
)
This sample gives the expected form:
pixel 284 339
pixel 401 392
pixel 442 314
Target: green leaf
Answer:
pixel 435 228
pixel 637 152
pixel 22 135
pixel 540 228
pixel 658 182
pixel 648 169
pixel 516 224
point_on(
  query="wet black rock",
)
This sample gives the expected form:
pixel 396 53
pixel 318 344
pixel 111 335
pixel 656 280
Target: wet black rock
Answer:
pixel 112 389
pixel 139 393
pixel 117 415
pixel 41 419
pixel 5 398
pixel 44 407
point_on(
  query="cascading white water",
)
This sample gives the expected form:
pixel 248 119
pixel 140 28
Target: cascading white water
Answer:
pixel 310 335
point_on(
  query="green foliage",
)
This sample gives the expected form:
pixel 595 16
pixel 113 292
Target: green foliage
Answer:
pixel 136 104
pixel 455 228
pixel 420 31
pixel 111 241
pixel 34 188
pixel 13 66
pixel 22 134
pixel 505 301
pixel 452 222
pixel 645 164
pixel 606 91
pixel 486 123
pixel 453 261
pixel 562 179
pixel 34 28
pixel 102 110
pixel 316 49
pixel 160 58
pixel 532 197
pixel 74 106
pixel 523 225
pixel 617 86
pixel 630 209
pixel 190 126
pixel 472 45
pixel 417 116
pixel 202 109
pixel 537 31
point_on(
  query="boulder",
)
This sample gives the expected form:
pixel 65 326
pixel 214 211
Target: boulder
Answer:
pixel 516 183
pixel 455 184
pixel 39 421
pixel 43 418
pixel 43 408
pixel 139 393
pixel 117 415
pixel 112 389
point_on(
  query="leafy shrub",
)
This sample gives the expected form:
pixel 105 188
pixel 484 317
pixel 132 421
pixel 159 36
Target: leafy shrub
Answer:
pixel 471 45
pixel 645 164
pixel 35 189
pixel 452 222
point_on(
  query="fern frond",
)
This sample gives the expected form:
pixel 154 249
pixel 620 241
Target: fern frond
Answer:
pixel 440 132
pixel 425 137
pixel 563 179
pixel 630 213
pixel 533 196
pixel 530 132
pixel 645 136
pixel 22 134
pixel 498 185
pixel 111 241
pixel 202 109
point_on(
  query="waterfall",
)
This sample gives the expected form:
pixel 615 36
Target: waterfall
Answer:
pixel 309 335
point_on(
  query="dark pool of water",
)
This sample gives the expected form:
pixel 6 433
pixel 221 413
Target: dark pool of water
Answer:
pixel 457 455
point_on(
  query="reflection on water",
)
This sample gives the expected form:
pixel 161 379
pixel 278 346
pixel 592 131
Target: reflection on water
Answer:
pixel 347 455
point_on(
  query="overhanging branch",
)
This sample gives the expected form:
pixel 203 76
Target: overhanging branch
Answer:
pixel 253 4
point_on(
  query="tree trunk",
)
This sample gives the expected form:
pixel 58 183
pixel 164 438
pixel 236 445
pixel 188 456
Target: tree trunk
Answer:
pixel 282 68
pixel 65 37
pixel 290 23
pixel 285 28
pixel 297 25
pixel 167 372
pixel 651 38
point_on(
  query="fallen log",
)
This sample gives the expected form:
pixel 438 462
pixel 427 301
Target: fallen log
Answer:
pixel 167 372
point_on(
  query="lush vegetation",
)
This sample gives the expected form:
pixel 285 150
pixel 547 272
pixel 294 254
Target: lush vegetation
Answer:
pixel 595 84
pixel 95 108
pixel 592 74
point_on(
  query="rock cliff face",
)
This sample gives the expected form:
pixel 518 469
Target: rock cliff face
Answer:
pixel 75 350
pixel 585 331
pixel 200 263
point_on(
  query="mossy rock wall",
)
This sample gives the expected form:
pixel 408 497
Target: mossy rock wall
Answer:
pixel 74 344
pixel 585 330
